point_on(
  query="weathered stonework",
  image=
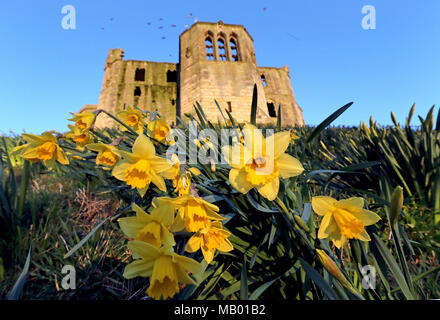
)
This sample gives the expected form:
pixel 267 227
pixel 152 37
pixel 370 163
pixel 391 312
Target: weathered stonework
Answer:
pixel 200 75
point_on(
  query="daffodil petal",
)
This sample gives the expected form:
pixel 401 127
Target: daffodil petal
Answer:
pixel 367 217
pixel 139 268
pixel 327 226
pixel 289 166
pixel 364 236
pixel 144 250
pixel 237 177
pixel 270 190
pixel 225 246
pixel 208 254
pixel 143 147
pixel 281 140
pixel 158 181
pixel 119 170
pixel 193 243
pixel 130 226
pixel 322 204
pixel 188 264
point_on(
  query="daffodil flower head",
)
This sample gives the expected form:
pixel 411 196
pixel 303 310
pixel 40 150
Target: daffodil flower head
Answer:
pixel 163 266
pixel 209 239
pixel 159 130
pixel 133 118
pixel 141 167
pixel 83 120
pixel 260 162
pixel 152 228
pixel 106 154
pixel 195 212
pixel 343 219
pixel 44 147
pixel 79 136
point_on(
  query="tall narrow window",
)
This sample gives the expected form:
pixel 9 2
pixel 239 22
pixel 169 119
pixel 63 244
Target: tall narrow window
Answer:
pixel 234 49
pixel 137 92
pixel 271 110
pixel 209 48
pixel 263 79
pixel 139 74
pixel 221 49
pixel 171 76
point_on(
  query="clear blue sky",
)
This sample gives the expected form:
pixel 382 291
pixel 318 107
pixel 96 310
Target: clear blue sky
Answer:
pixel 47 72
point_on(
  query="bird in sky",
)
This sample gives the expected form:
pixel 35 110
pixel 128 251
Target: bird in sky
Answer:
pixel 163 38
pixel 161 27
pixel 111 19
pixel 173 25
pixel 264 9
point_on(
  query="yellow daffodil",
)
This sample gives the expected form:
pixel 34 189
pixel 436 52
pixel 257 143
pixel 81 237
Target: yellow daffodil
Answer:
pixel 293 136
pixel 152 228
pixel 210 239
pixel 255 165
pixel 141 167
pixel 343 219
pixel 106 153
pixel 133 118
pixel 194 212
pixel 44 147
pixel 181 178
pixel 83 120
pixel 165 268
pixel 159 129
pixel 80 137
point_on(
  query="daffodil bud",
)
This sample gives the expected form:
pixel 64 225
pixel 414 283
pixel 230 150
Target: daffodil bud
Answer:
pixel 334 270
pixel 396 205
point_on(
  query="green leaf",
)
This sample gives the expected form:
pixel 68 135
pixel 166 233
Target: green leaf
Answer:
pixel 318 279
pixel 327 121
pixel 260 290
pixel 279 118
pixel 15 293
pixel 244 290
pixel 394 267
pixel 84 240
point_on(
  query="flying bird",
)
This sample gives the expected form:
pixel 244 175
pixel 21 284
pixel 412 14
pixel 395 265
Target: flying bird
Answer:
pixel 173 25
pixel 161 27
pixel 160 19
pixel 164 38
pixel 111 19
pixel 264 9
pixel 149 23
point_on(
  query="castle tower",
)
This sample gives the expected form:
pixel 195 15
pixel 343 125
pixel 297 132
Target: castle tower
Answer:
pixel 217 61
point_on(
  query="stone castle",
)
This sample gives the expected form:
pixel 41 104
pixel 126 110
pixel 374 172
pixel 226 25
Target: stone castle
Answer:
pixel 216 62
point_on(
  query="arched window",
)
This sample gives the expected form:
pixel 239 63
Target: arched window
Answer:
pixel 209 48
pixel 234 49
pixel 221 49
pixel 263 79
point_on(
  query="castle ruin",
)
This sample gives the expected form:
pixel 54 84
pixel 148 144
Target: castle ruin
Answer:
pixel 216 62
